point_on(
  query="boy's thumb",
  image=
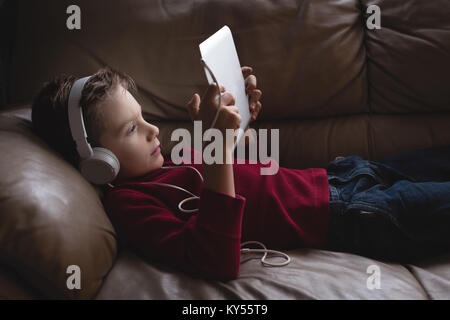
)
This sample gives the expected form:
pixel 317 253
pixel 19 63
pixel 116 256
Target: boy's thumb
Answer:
pixel 194 102
pixel 211 92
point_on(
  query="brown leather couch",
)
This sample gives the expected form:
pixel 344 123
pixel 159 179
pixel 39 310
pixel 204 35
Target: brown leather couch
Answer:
pixel 331 86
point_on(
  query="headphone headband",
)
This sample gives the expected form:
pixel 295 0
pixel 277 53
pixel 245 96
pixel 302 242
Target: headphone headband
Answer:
pixel 98 165
pixel 76 123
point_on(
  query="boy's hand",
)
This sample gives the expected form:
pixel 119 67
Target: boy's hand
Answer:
pixel 250 88
pixel 199 109
pixel 254 94
pixel 205 109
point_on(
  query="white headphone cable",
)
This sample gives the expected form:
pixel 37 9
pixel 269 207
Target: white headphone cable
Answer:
pixel 266 251
pixel 194 197
pixel 218 87
pixel 243 250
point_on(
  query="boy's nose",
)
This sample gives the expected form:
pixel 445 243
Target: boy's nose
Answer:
pixel 152 132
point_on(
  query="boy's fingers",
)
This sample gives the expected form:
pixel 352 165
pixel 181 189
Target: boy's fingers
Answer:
pixel 250 83
pixel 246 71
pixel 233 108
pixel 255 111
pixel 193 106
pixel 228 99
pixel 190 105
pixel 196 102
pixel 255 96
pixel 211 92
pixel 257 108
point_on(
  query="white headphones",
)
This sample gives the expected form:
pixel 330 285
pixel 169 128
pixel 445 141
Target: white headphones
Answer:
pixel 97 165
pixel 101 166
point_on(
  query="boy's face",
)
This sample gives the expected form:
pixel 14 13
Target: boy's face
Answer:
pixel 132 139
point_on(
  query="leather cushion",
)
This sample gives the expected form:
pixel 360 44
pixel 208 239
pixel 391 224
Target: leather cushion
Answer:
pixel 309 56
pixel 50 217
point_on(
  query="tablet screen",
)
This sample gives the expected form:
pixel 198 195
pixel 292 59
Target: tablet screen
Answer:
pixel 219 53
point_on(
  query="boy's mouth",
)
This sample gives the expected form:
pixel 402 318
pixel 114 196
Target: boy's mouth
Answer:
pixel 156 151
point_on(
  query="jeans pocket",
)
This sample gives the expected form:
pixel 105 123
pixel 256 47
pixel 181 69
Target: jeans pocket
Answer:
pixel 346 169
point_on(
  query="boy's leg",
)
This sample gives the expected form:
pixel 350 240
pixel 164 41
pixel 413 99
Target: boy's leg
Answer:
pixel 374 212
pixel 430 164
pixel 411 220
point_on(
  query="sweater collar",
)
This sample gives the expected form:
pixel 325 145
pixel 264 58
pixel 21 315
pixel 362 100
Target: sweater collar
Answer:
pixel 142 178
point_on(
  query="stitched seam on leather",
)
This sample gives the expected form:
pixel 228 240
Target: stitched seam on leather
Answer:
pixel 368 96
pixel 408 267
pixel 363 25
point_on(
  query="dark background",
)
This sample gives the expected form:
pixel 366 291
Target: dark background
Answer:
pixel 8 14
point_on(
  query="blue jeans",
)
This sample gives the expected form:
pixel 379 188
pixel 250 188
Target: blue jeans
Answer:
pixel 395 209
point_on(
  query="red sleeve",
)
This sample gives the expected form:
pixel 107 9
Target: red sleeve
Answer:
pixel 207 244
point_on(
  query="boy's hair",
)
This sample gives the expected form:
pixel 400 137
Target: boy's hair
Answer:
pixel 50 115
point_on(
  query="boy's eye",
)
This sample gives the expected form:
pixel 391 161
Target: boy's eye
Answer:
pixel 132 129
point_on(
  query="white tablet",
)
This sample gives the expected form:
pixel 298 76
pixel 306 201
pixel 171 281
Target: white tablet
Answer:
pixel 219 53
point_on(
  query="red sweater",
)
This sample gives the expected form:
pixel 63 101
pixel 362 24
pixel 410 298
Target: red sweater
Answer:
pixel 284 211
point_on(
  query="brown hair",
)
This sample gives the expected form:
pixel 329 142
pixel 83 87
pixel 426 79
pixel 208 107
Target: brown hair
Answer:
pixel 49 111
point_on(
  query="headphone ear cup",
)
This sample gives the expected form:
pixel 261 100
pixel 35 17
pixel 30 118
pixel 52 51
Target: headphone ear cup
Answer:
pixel 101 168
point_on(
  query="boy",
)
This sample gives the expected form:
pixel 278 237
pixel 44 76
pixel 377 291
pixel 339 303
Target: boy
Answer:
pixel 398 209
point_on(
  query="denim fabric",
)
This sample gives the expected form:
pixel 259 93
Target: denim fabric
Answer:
pixel 396 209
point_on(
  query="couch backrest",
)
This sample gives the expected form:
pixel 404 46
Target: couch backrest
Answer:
pixel 331 85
